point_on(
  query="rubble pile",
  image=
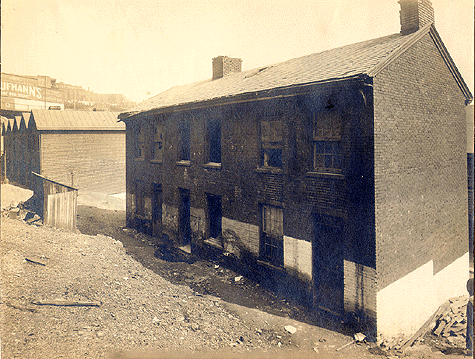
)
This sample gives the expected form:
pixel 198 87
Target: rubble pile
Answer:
pixel 21 212
pixel 452 323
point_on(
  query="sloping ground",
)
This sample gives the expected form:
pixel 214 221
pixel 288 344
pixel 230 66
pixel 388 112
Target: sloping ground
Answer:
pixel 98 300
pixel 136 308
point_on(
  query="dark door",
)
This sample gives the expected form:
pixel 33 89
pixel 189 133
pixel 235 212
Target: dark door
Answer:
pixel 157 210
pixel 184 217
pixel 328 263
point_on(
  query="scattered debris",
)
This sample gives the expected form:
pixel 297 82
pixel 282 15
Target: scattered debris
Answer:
pixel 359 337
pixel 290 329
pixel 34 260
pixel 67 303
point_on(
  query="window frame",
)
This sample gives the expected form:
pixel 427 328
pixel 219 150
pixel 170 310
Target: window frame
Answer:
pixel 327 143
pixel 213 141
pixel 271 249
pixel 139 154
pixel 184 139
pixel 271 144
pixel 157 141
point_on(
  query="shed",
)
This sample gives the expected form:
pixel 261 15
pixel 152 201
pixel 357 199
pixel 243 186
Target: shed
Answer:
pixel 80 149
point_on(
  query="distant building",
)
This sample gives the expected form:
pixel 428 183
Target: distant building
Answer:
pixel 26 93
pixel 344 170
pixel 80 149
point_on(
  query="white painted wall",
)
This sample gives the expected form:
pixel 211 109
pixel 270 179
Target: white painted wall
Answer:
pixel 405 305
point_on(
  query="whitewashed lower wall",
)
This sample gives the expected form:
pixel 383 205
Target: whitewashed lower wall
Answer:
pixel 298 257
pixel 360 288
pixel 406 304
pixel 247 234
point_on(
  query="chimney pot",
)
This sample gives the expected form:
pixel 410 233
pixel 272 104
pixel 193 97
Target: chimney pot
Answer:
pixel 224 65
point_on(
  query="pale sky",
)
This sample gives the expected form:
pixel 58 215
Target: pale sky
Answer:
pixel 140 48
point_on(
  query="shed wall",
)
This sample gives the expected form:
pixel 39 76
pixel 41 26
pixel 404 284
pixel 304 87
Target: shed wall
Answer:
pixel 89 161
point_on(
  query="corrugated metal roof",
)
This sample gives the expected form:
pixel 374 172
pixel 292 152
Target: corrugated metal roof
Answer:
pixel 343 62
pixel 64 120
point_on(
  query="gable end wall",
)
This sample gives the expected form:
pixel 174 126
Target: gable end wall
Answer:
pixel 420 184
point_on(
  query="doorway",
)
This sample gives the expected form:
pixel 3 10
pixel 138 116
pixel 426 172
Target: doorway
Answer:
pixel 328 249
pixel 157 210
pixel 184 230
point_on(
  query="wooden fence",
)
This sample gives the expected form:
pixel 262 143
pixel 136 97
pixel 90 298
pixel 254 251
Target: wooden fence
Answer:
pixel 55 202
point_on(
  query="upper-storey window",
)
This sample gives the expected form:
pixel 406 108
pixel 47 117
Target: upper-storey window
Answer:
pixel 271 143
pixel 184 141
pixel 327 143
pixel 140 144
pixel 157 144
pixel 214 141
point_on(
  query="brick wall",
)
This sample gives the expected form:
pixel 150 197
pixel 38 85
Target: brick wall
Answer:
pixel 420 165
pixel 89 161
pixel 244 187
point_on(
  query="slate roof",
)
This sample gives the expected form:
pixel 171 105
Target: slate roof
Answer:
pixel 362 58
pixel 339 63
pixel 64 120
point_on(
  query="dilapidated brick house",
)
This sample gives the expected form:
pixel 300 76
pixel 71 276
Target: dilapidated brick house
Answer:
pixel 344 169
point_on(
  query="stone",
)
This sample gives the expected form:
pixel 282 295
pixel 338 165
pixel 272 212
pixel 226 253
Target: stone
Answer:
pixel 290 329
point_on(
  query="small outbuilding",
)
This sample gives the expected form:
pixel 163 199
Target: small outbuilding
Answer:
pixel 80 149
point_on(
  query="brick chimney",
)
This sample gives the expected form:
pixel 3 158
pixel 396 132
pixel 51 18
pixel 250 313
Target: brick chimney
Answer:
pixel 223 66
pixel 415 14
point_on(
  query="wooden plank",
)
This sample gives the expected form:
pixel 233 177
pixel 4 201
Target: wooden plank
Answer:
pixel 68 303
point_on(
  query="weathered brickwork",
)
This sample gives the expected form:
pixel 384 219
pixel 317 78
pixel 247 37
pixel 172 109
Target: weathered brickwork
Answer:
pixel 420 165
pixel 244 185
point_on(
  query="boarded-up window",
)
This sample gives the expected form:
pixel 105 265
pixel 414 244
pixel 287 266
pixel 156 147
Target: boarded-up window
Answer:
pixel 327 143
pixel 271 143
pixel 157 144
pixel 272 234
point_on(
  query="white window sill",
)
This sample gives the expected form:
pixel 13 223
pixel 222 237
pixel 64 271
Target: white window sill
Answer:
pixel 183 163
pixel 330 175
pixel 212 165
pixel 273 170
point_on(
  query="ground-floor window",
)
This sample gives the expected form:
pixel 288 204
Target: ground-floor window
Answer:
pixel 272 235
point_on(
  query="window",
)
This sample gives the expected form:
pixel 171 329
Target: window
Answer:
pixel 184 147
pixel 271 143
pixel 157 144
pixel 214 141
pixel 272 242
pixel 327 143
pixel 214 215
pixel 140 144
